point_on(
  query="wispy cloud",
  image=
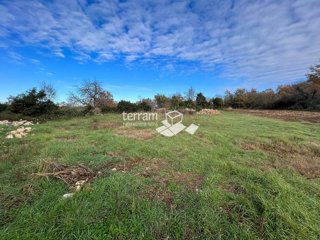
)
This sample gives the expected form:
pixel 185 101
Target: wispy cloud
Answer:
pixel 263 41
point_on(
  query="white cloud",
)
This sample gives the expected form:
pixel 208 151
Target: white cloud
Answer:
pixel 268 41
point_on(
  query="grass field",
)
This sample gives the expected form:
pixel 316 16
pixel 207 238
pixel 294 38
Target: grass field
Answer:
pixel 237 177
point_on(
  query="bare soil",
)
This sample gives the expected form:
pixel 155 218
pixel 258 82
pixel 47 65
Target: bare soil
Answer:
pixel 287 115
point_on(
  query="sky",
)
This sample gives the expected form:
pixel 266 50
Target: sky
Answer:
pixel 139 48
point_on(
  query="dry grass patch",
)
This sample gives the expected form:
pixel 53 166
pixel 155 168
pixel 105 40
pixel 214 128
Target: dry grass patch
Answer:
pixel 140 134
pixel 286 115
pixel 303 159
pixel 126 166
pixel 159 193
pixel 233 188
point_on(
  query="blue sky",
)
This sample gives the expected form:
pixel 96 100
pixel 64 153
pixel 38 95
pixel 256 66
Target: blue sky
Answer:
pixel 140 48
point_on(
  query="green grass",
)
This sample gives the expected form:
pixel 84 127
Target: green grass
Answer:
pixel 243 194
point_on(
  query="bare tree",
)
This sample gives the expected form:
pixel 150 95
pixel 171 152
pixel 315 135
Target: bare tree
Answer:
pixel 91 93
pixel 190 94
pixel 49 90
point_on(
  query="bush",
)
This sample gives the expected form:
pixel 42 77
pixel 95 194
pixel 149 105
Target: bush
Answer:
pixel 218 102
pixel 7 115
pixel 33 103
pixel 3 107
pixel 126 106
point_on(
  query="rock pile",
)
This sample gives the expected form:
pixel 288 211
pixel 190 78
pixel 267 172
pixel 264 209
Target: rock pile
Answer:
pixel 21 131
pixel 16 123
pixel 209 112
pixel 18 133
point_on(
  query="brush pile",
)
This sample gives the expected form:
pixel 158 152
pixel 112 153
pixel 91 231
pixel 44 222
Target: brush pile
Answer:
pixel 75 176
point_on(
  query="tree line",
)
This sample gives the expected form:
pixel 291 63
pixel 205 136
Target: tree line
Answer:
pixel 298 96
pixel 92 98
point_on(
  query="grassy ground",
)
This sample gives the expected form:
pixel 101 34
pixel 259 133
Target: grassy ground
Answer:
pixel 238 177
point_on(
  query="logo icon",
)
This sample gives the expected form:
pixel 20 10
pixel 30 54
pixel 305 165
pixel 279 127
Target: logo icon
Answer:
pixel 172 125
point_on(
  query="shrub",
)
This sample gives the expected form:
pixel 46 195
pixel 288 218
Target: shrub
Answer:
pixel 3 107
pixel 126 106
pixel 33 103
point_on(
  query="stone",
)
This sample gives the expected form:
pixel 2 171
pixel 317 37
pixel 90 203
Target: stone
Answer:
pixel 10 136
pixel 68 195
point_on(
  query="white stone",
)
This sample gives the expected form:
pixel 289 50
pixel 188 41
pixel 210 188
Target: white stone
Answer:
pixel 68 195
pixel 18 135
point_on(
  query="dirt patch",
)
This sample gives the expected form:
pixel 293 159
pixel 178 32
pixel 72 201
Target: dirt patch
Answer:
pixel 313 117
pixel 73 175
pixel 140 134
pixel 303 159
pixel 126 166
pixel 233 188
pixel 190 180
pixel 159 193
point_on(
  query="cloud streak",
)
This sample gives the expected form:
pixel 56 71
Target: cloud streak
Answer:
pixel 267 41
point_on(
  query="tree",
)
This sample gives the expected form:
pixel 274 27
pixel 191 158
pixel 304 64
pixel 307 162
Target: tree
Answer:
pixel 201 101
pixel 190 94
pixel 126 106
pixel 92 94
pixel 217 102
pixel 241 99
pixel 3 107
pixel 145 104
pixel 176 101
pixel 189 99
pixel 32 103
pixel 49 90
pixel 313 82
pixel 228 99
pixel 162 101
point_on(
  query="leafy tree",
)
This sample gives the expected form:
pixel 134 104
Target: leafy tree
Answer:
pixel 241 99
pixel 126 106
pixel 162 101
pixel 201 101
pixel 313 82
pixel 3 107
pixel 145 104
pixel 189 104
pixel 32 103
pixel 176 101
pixel 217 102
